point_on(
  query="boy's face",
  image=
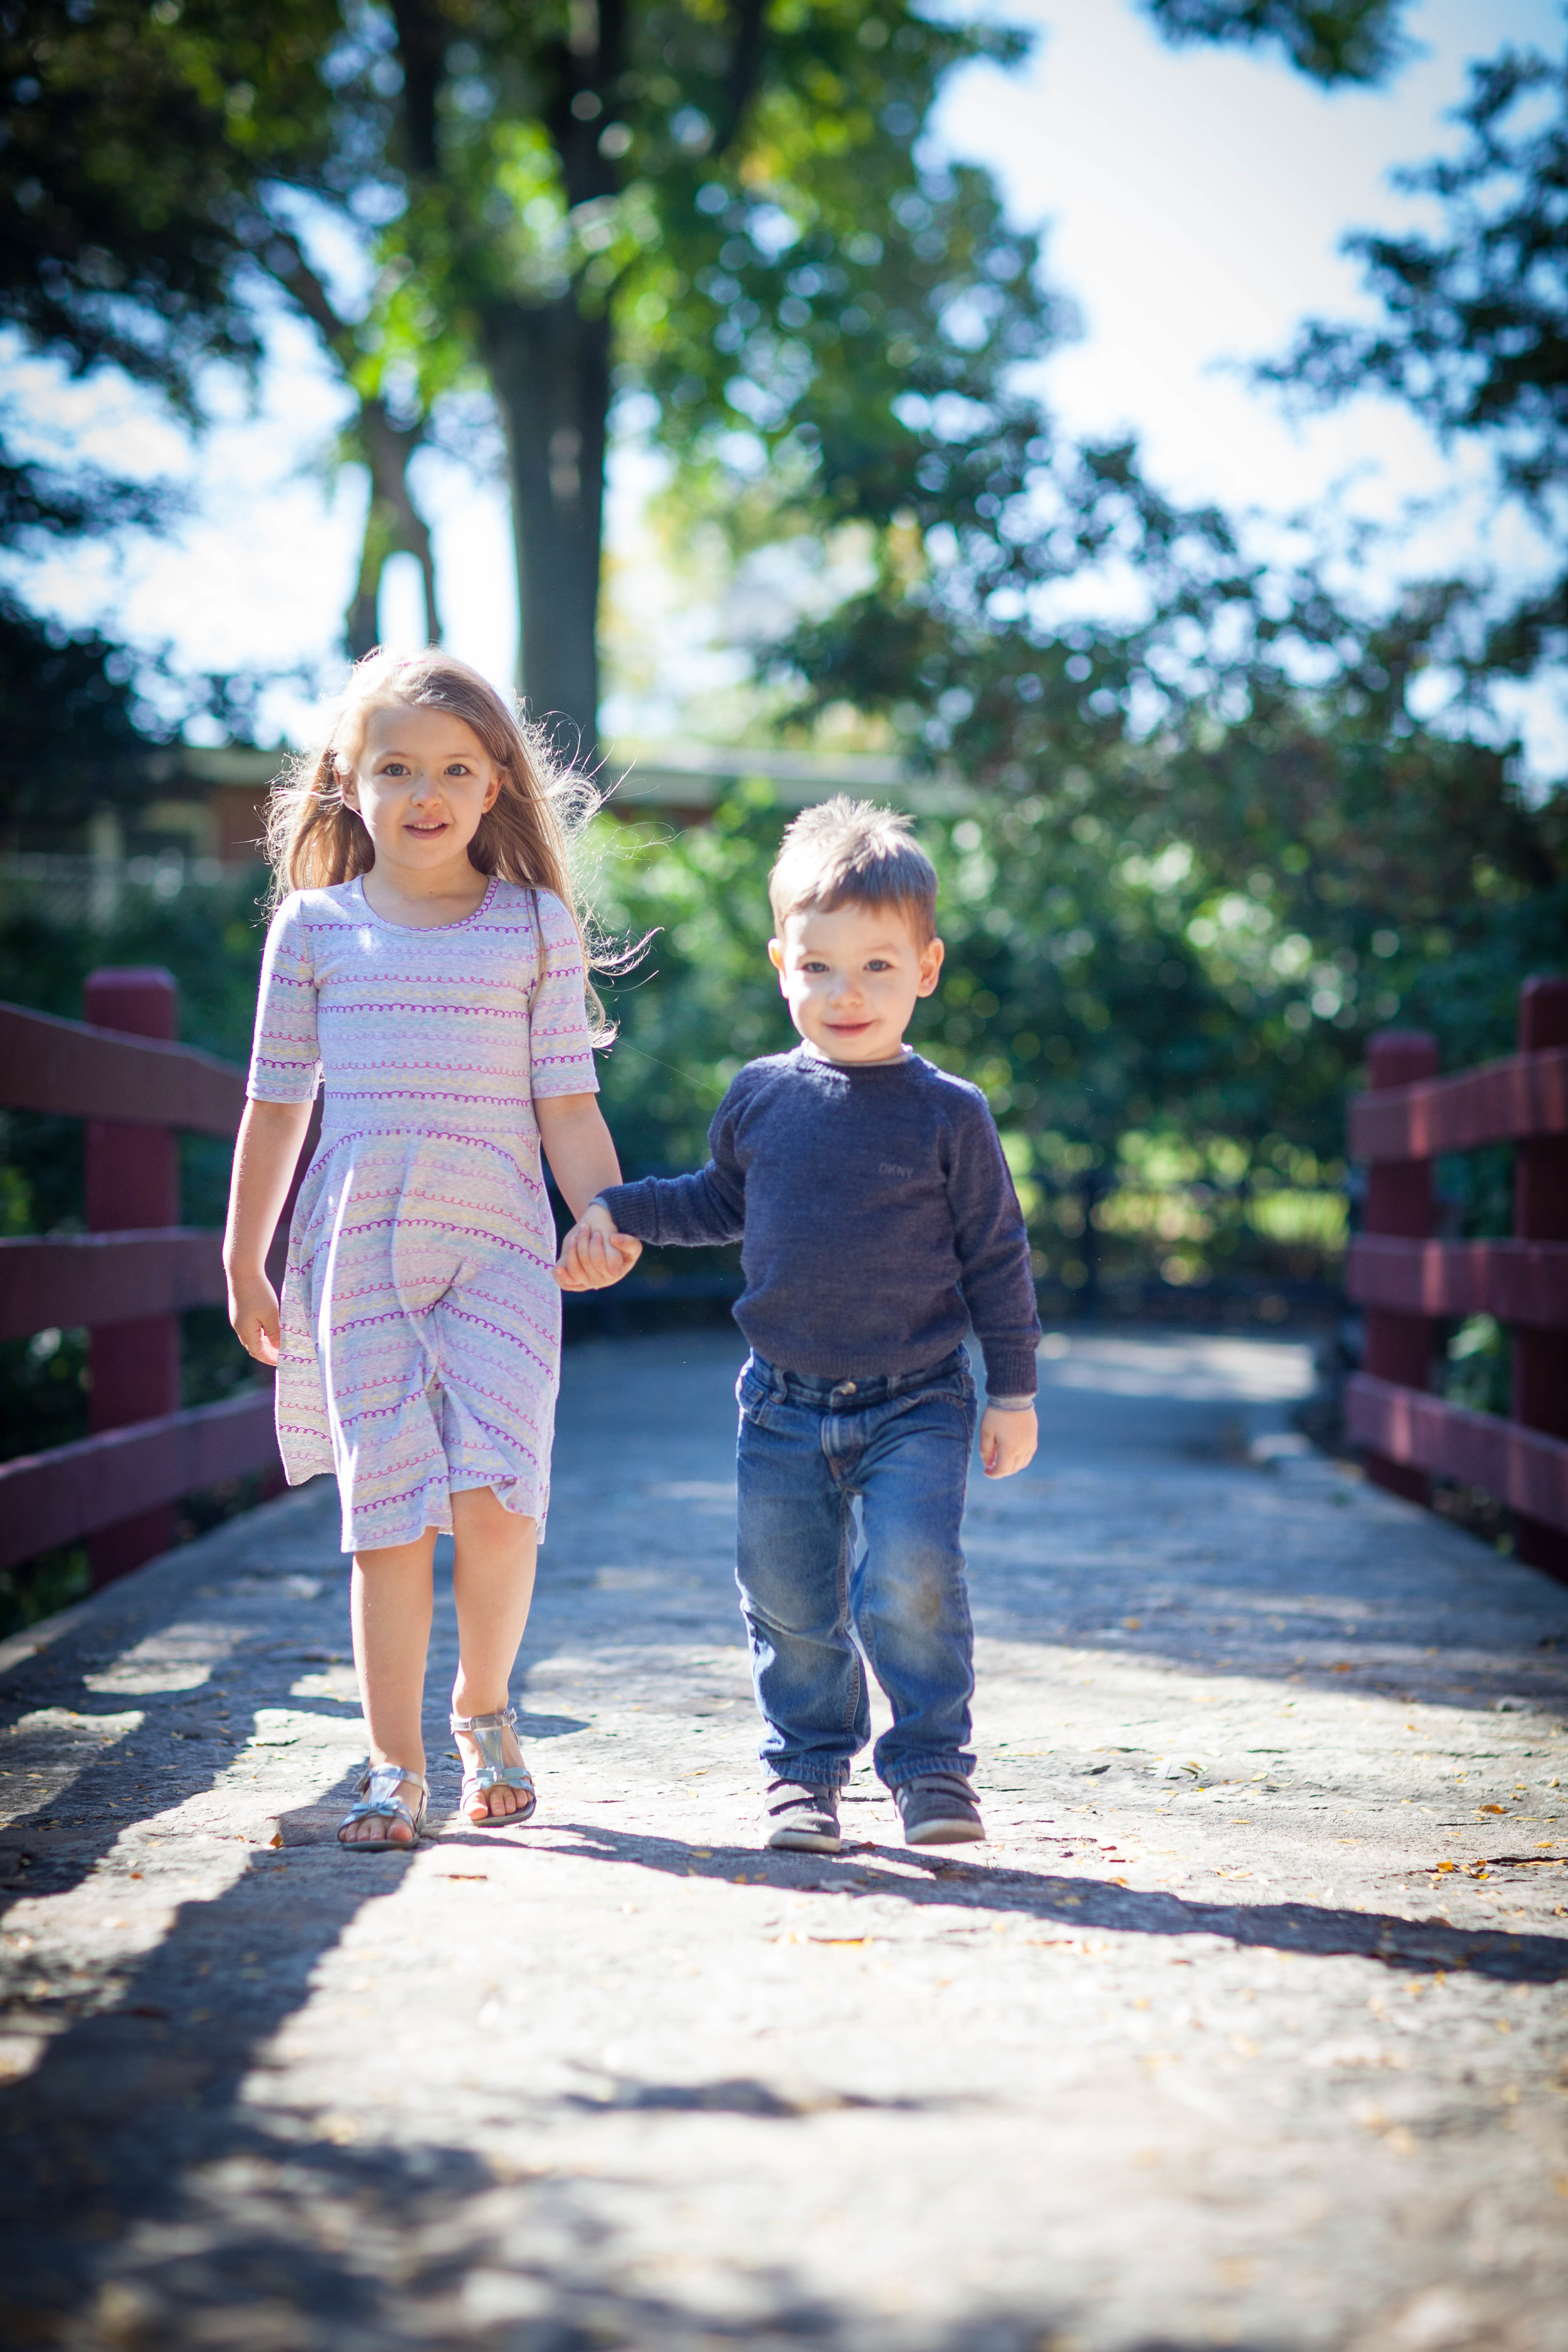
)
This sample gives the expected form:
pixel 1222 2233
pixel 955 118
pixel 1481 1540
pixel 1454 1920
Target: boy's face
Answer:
pixel 851 978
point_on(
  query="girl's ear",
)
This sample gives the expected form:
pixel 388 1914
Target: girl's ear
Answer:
pixel 502 777
pixel 348 789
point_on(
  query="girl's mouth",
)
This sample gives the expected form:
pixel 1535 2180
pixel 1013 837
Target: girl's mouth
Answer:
pixel 428 832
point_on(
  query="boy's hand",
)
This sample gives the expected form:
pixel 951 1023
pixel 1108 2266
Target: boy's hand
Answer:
pixel 253 1311
pixel 594 1254
pixel 1007 1441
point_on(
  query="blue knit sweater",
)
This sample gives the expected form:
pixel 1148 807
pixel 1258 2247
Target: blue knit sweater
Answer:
pixel 876 1214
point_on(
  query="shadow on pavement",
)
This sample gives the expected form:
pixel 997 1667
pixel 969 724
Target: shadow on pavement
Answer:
pixel 316 2248
pixel 1079 1903
pixel 743 2094
pixel 126 2102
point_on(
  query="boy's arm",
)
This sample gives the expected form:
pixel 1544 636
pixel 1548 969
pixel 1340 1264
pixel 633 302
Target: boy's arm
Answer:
pixel 696 1212
pixel 998 1289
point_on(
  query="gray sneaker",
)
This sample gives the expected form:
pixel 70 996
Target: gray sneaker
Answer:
pixel 802 1820
pixel 938 1809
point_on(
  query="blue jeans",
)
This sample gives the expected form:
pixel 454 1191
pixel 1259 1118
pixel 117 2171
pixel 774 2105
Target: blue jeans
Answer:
pixel 808 1450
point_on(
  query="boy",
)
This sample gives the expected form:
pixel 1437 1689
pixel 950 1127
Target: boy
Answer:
pixel 877 1222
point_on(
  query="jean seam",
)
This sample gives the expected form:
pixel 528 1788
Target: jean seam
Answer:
pixel 900 1776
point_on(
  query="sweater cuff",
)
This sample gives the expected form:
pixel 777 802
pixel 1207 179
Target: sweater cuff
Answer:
pixel 634 1209
pixel 1010 1369
pixel 1009 1404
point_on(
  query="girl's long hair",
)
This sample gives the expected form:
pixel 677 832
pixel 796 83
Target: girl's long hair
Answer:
pixel 314 838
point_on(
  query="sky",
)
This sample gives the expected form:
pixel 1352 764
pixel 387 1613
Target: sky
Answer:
pixel 1194 202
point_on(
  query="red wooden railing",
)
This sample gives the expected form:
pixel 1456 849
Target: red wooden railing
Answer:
pixel 1407 1280
pixel 126 1279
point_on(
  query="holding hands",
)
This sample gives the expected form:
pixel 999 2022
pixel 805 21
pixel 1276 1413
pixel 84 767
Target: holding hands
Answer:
pixel 594 1254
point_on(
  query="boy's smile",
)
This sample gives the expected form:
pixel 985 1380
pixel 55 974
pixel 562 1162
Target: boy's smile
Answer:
pixel 851 978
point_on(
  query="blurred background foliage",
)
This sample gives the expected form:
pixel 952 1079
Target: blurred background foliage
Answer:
pixel 1194 853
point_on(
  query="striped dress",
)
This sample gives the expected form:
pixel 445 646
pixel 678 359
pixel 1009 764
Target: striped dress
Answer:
pixel 421 1321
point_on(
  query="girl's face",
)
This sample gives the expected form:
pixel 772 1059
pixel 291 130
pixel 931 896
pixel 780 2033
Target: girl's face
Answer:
pixel 421 782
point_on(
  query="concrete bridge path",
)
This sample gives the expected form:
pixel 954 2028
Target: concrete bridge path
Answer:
pixel 1247 2029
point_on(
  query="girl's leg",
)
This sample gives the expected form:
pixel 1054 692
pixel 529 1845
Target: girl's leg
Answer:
pixel 391 1611
pixel 492 1581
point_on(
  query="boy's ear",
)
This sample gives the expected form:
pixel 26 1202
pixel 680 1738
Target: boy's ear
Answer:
pixel 775 957
pixel 931 955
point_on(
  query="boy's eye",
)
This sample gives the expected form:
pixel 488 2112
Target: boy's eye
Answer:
pixel 812 964
pixel 878 964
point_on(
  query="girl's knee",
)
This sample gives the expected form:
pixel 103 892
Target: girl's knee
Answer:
pixel 478 1514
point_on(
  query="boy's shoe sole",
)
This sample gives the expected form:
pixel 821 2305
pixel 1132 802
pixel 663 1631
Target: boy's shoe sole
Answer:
pixel 938 1809
pixel 946 1833
pixel 804 1821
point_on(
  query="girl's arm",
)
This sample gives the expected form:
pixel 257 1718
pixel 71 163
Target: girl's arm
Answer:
pixel 582 1161
pixel 266 1154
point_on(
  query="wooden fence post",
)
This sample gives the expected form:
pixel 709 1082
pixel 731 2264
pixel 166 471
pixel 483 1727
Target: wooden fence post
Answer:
pixel 1541 1214
pixel 133 1180
pixel 1400 1200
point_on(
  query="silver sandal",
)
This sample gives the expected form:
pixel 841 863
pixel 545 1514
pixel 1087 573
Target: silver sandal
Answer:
pixel 379 1799
pixel 486 1731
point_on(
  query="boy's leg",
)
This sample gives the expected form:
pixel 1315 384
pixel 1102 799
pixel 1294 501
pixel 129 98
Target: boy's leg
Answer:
pixel 910 1601
pixel 792 1559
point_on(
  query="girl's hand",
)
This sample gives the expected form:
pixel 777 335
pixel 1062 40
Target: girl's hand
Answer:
pixel 1007 1441
pixel 253 1311
pixel 594 1254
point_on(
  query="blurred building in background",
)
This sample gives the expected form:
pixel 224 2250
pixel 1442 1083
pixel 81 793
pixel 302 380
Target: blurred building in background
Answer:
pixel 203 815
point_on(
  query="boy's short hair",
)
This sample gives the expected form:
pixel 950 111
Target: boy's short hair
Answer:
pixel 850 853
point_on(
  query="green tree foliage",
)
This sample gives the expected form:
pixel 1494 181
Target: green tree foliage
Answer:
pixel 1193 881
pixel 137 140
pixel 1475 331
pixel 720 205
pixel 75 736
pixel 160 164
pixel 1334 42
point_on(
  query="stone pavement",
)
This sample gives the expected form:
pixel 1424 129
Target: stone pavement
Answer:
pixel 1248 2028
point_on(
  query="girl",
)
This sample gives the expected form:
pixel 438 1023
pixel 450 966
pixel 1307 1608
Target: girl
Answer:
pixel 427 964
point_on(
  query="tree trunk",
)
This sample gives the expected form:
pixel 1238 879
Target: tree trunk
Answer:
pixel 393 525
pixel 550 368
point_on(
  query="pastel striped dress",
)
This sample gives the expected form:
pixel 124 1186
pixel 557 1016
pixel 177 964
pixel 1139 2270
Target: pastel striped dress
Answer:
pixel 421 1322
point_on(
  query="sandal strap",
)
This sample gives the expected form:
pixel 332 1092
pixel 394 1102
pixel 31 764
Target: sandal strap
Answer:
pixel 502 1718
pixel 379 1797
pixel 399 1772
pixel 487 1733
